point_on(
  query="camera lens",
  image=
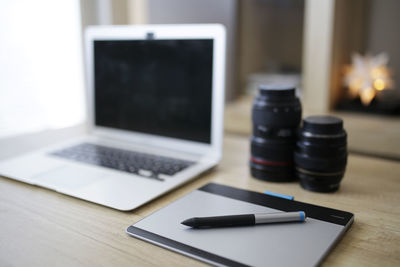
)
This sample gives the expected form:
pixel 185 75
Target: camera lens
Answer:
pixel 321 153
pixel 276 115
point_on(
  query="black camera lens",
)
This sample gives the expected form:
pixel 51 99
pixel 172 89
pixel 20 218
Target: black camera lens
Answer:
pixel 276 115
pixel 321 153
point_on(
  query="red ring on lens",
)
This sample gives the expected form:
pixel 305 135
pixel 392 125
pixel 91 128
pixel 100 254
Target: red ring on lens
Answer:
pixel 270 163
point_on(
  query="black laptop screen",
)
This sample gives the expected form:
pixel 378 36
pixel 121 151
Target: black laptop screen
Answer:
pixel 159 87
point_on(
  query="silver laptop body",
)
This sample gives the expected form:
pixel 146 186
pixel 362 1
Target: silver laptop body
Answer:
pixel 155 108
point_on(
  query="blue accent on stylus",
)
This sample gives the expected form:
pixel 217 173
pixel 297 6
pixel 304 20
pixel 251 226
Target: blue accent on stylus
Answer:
pixel 302 216
pixel 279 195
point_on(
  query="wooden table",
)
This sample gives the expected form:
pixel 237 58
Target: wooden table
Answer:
pixel 39 227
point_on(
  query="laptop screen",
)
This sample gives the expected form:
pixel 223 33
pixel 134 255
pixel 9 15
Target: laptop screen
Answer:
pixel 159 87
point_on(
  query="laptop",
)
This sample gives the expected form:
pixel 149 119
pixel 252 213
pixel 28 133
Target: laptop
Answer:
pixel 155 106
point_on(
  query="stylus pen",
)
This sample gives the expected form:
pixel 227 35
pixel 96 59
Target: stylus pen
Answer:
pixel 244 219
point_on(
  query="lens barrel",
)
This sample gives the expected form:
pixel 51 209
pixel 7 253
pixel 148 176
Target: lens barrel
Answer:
pixel 276 114
pixel 321 153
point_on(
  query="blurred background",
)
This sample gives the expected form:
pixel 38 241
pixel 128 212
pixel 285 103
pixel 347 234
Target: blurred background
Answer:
pixel 343 56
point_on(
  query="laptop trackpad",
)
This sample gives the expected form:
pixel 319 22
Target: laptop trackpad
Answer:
pixel 65 178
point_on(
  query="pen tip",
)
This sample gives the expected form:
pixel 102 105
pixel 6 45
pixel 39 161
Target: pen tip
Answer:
pixel 188 222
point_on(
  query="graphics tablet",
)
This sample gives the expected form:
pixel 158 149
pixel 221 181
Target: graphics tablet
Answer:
pixel 283 244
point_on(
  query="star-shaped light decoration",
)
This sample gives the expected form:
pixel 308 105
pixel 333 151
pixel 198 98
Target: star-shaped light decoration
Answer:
pixel 367 76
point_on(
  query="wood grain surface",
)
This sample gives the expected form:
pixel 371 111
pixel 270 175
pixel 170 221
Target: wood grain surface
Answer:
pixel 39 227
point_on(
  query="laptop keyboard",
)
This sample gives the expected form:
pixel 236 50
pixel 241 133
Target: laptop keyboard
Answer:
pixel 143 164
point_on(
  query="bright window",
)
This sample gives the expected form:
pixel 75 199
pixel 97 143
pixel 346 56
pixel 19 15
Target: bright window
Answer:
pixel 41 66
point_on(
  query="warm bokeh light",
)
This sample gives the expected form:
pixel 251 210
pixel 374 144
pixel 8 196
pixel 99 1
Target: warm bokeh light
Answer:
pixel 379 84
pixel 366 95
pixel 354 86
pixel 378 72
pixel 367 76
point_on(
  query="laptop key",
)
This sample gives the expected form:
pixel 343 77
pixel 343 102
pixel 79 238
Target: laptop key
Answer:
pixel 131 169
pixel 163 176
pixel 146 173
